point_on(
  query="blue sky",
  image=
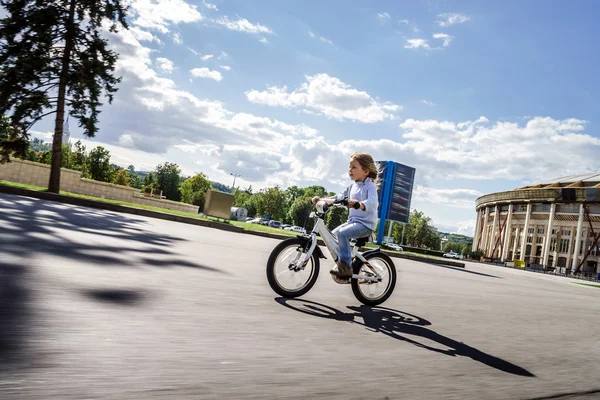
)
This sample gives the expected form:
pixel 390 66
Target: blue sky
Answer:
pixel 477 96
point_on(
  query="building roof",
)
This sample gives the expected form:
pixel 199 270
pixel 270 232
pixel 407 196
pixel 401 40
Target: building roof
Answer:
pixel 584 180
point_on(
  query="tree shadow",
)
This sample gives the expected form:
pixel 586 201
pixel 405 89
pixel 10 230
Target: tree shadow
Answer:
pixel 116 296
pixel 395 324
pixel 32 230
pixel 31 226
pixel 15 314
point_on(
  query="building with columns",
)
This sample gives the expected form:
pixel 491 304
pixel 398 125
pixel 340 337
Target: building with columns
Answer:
pixel 554 223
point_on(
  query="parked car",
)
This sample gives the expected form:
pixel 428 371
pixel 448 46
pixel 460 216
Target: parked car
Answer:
pixel 274 224
pixel 452 255
pixel 297 229
pixel 395 246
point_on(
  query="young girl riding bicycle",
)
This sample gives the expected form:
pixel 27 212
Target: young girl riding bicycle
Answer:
pixel 362 221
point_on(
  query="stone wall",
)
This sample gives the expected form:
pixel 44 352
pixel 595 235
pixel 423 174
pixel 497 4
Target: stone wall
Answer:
pixel 32 173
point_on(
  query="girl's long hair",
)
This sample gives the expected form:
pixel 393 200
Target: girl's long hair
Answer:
pixel 366 162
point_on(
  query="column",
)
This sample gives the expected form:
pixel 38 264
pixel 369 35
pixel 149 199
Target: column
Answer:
pixel 492 242
pixel 577 239
pixel 476 235
pixel 515 243
pixel 525 229
pixel 485 229
pixel 546 251
pixel 507 232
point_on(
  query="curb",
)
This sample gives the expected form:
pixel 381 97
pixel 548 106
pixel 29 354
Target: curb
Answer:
pixel 186 220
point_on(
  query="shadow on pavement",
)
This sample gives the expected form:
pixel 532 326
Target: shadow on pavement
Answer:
pixel 116 296
pixel 15 314
pixel 395 324
pixel 467 271
pixel 30 228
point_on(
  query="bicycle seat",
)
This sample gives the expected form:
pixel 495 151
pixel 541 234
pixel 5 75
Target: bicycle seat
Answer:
pixel 360 242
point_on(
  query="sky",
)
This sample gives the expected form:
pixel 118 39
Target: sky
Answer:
pixel 478 96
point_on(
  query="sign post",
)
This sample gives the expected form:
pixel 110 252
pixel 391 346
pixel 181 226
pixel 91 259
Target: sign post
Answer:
pixel 395 194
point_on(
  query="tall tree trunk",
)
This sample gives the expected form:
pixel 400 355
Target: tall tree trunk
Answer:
pixel 54 183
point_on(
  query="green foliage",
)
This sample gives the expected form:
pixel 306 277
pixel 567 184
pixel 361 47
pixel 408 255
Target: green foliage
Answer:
pixel 39 145
pixel 122 177
pixel 299 211
pixel 194 189
pixel 313 191
pixel 335 217
pixel 167 180
pixel 418 232
pixel 99 165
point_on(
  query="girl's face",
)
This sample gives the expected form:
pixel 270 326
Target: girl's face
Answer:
pixel 356 171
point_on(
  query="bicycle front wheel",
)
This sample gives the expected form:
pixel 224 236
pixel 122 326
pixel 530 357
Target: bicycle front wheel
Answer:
pixel 372 293
pixel 283 273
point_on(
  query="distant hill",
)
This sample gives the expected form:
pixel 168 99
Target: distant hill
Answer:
pixel 456 238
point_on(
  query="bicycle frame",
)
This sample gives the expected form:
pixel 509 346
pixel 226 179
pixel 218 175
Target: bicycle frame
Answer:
pixel 334 249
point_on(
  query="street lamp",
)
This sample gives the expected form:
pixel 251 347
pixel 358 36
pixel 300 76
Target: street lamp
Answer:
pixel 234 176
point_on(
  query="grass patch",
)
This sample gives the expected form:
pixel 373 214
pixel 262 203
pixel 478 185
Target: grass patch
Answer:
pixel 23 186
pixel 586 284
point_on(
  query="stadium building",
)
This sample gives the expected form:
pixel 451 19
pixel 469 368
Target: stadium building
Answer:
pixel 553 224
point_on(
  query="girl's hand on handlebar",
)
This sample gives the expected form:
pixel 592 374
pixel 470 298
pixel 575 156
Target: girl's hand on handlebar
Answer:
pixel 354 204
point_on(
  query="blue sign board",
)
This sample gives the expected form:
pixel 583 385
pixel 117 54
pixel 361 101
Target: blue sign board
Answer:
pixel 395 193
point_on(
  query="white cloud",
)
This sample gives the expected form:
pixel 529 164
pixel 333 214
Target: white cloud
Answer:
pixel 448 19
pixel 445 37
pixel 158 14
pixel 243 25
pixel 321 38
pixel 461 198
pixel 403 21
pixel 177 38
pixel 417 43
pixel 226 67
pixel 211 6
pixel 194 52
pixel 165 65
pixel 207 57
pixel 264 40
pixel 384 16
pixel 328 96
pixel 143 35
pixel 429 103
pixel 466 228
pixel 207 73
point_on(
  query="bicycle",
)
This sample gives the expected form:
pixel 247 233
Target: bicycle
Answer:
pixel 370 268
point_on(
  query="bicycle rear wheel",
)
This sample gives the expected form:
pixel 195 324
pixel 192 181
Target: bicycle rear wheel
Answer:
pixel 374 293
pixel 286 279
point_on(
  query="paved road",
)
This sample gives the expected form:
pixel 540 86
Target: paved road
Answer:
pixel 98 305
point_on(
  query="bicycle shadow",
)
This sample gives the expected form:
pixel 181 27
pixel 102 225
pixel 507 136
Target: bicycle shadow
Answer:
pixel 397 324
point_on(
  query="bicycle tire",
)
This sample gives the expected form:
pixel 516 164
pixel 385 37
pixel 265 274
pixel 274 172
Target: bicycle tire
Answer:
pixel 272 279
pixel 391 286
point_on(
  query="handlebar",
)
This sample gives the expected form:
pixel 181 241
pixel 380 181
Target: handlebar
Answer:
pixel 344 202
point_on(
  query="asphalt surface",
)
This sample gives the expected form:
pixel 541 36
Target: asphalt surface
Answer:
pixel 100 305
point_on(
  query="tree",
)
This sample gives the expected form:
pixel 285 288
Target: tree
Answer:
pixel 335 217
pixel 121 177
pixel 313 191
pixel 80 158
pixel 99 165
pixel 193 190
pixel 274 203
pixel 299 211
pixel 419 231
pixel 39 145
pixel 53 56
pixel 149 181
pixel 167 180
